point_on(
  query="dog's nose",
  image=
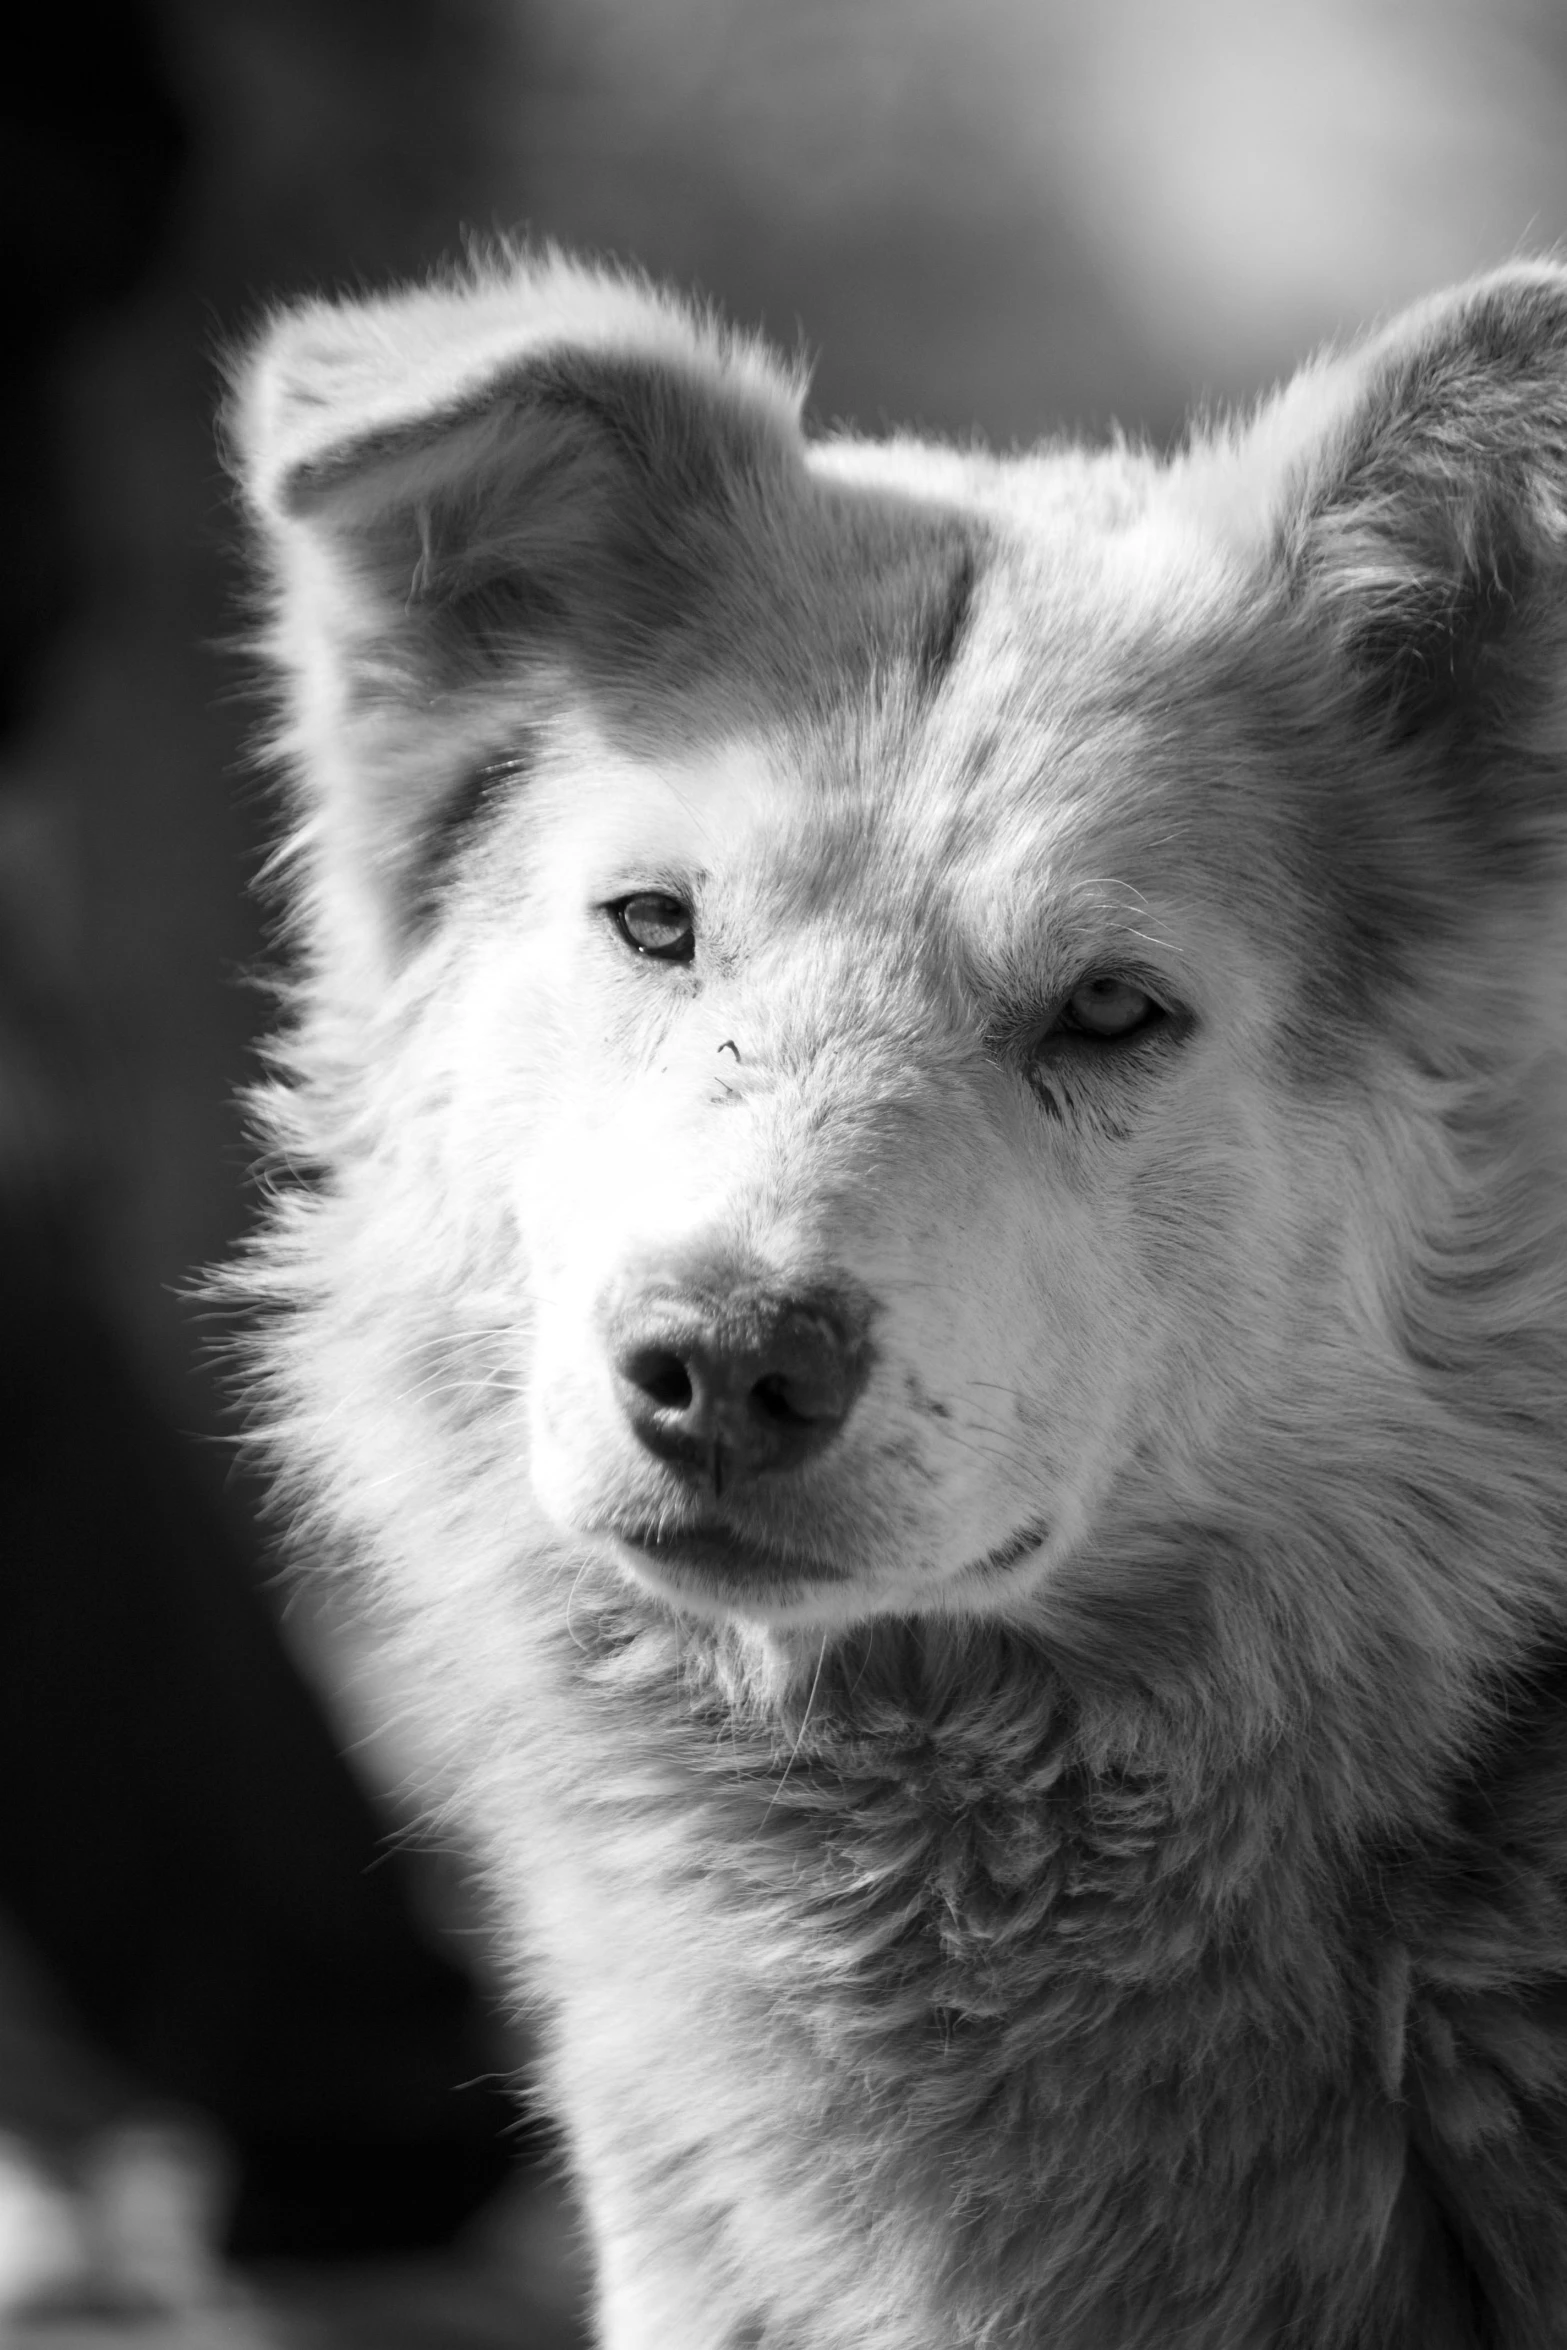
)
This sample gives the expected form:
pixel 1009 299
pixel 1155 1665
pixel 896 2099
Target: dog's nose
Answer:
pixel 728 1389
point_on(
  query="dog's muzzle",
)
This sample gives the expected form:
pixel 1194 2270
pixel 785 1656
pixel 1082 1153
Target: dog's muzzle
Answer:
pixel 725 1384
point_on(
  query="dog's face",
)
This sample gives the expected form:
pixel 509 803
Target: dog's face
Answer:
pixel 903 1159
pixel 930 986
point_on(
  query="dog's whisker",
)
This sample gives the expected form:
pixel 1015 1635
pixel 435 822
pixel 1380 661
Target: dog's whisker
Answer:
pixel 804 1724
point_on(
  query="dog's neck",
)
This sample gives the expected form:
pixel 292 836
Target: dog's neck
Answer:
pixel 990 1727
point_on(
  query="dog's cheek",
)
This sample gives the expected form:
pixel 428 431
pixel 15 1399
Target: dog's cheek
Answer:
pixel 1020 1321
pixel 1245 1219
pixel 1164 1274
pixel 1108 1357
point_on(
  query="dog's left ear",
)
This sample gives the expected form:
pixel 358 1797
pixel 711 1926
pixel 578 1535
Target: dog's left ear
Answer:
pixel 1422 531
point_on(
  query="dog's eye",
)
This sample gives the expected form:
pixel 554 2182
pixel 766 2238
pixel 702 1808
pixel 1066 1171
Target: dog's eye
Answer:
pixel 1110 1008
pixel 654 924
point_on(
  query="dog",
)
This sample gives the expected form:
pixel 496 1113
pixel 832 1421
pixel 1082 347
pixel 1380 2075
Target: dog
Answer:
pixel 915 1252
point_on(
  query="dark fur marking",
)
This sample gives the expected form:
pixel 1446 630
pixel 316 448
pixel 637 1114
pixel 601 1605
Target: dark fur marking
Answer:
pixel 1431 539
pixel 690 441
pixel 595 508
pixel 1483 1903
pixel 629 399
pixel 449 830
pixel 943 627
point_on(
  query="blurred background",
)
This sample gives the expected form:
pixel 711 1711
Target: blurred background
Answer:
pixel 250 2067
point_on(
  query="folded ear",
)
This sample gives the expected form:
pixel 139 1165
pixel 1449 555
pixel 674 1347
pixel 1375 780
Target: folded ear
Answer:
pixel 546 468
pixel 522 434
pixel 1420 527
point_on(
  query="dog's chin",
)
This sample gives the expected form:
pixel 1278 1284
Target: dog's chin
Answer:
pixel 722 1574
pixel 719 1573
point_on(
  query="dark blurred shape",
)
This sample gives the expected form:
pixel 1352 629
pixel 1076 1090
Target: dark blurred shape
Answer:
pixel 181 1845
pixel 91 146
pixel 189 1857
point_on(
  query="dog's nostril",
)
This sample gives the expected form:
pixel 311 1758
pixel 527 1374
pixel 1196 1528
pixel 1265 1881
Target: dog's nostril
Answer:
pixel 780 1398
pixel 661 1375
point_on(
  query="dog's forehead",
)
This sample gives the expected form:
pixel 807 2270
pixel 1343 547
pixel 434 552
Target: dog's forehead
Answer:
pixel 1076 751
pixel 1085 737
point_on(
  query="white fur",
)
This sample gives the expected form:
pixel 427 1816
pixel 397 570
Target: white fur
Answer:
pixel 1007 1896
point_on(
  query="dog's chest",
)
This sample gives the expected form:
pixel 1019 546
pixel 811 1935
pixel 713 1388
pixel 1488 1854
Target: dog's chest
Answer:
pixel 949 1903
pixel 909 1990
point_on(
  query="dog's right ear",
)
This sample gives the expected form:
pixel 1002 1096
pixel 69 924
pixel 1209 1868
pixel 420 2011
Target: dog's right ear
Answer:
pixel 550 467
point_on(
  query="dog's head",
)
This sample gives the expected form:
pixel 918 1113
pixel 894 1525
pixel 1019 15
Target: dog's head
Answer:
pixel 947 1008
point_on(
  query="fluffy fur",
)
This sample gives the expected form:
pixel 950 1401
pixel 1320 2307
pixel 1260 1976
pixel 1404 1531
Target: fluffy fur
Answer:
pixel 1073 1852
